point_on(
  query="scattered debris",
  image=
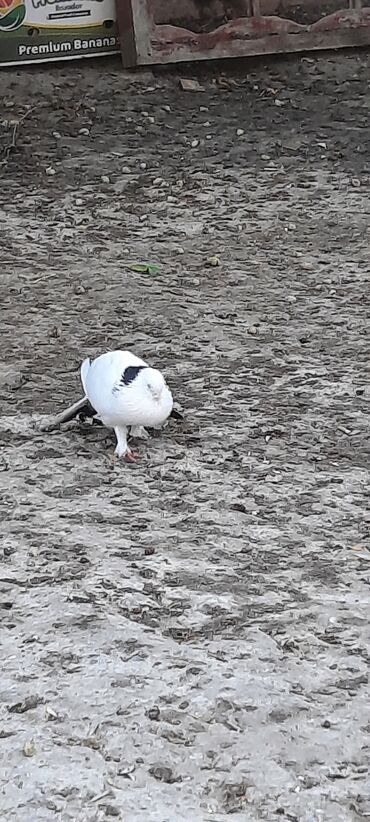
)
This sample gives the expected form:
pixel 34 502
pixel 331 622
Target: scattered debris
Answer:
pixel 100 796
pixel 190 85
pixel 111 810
pixel 153 713
pixel 213 261
pixel 29 748
pixel 143 268
pixel 28 704
pixel 126 770
pixel 16 124
pixel 164 774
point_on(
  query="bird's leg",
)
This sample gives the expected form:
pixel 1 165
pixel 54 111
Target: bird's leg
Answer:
pixel 122 449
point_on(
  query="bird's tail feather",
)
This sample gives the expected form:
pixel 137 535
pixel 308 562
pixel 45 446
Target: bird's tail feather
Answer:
pixel 69 414
pixel 177 415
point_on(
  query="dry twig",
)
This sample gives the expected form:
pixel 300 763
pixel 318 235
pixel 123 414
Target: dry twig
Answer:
pixel 12 145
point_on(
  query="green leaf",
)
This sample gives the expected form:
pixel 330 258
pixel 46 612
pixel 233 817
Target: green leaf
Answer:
pixel 144 268
pixel 13 19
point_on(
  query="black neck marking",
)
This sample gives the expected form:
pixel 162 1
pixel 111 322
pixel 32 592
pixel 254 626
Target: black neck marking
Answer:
pixel 130 373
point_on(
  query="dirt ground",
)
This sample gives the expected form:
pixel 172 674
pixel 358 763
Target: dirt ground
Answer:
pixel 187 638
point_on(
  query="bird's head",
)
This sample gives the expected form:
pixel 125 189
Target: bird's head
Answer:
pixel 154 383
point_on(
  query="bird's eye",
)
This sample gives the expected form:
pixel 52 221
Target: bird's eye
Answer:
pixel 149 386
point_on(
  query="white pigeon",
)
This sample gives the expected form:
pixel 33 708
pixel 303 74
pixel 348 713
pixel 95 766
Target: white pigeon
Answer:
pixel 125 392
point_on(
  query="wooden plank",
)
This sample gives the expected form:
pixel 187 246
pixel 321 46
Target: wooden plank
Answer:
pixel 145 43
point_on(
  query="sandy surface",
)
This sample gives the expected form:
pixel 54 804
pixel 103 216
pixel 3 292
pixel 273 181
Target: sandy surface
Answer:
pixel 187 638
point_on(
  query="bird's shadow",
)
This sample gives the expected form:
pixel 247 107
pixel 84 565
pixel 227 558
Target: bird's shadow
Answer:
pixel 87 423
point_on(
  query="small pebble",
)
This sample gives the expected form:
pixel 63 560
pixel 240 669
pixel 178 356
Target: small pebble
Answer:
pixel 51 806
pixel 84 131
pixel 111 810
pixel 194 143
pixel 57 135
pixel 79 202
pixel 50 713
pixel 105 179
pixel 213 261
pixel 29 748
pixel 154 713
pixel 240 132
pixel 162 773
pixel 50 171
pixel 143 166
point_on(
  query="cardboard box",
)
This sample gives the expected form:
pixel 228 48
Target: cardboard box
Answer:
pixel 34 31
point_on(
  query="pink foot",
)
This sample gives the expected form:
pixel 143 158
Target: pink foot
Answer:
pixel 131 456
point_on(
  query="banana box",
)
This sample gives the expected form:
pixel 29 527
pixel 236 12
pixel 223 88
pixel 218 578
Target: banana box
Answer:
pixel 33 31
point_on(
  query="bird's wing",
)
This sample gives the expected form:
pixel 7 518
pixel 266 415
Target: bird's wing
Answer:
pixel 106 375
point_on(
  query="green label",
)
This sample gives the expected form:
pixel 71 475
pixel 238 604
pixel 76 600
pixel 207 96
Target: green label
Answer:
pixel 38 30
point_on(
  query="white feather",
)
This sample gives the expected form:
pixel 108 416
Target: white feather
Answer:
pixel 84 372
pixel 145 401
